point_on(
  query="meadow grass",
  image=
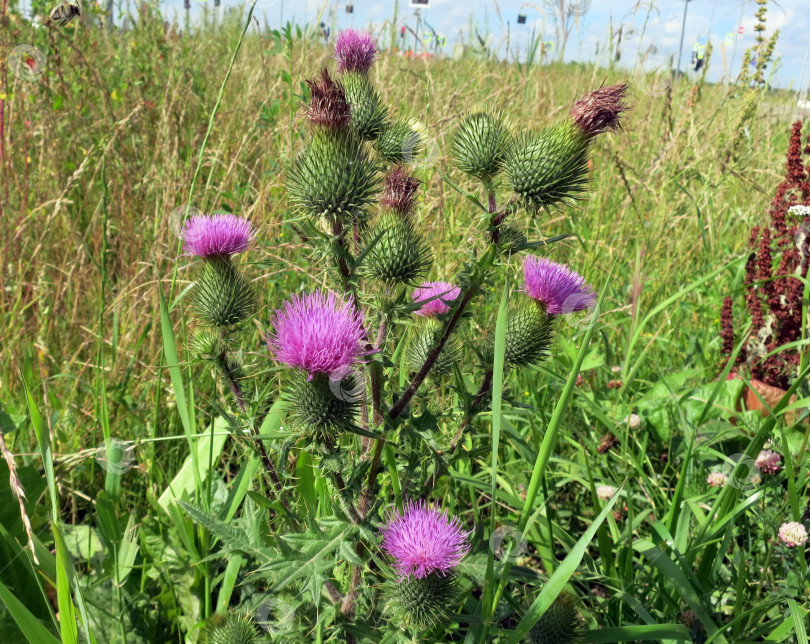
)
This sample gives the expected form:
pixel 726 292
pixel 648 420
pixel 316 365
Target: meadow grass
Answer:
pixel 102 150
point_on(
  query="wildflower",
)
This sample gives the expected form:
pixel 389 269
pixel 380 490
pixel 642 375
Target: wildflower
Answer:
pixel 221 234
pixel 605 492
pixel 317 332
pixel 793 534
pixel 633 421
pixel 556 286
pixel 399 193
pixel 799 211
pixel 599 111
pixel 328 105
pixel 717 479
pixel 768 462
pixel 354 51
pixel 422 540
pixel 444 292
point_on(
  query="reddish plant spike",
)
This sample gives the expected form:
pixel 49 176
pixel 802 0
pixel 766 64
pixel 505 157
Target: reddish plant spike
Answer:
pixel 774 294
pixel 727 326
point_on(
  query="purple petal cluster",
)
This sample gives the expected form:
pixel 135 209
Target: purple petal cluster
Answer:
pixel 354 51
pixel 318 332
pixel 445 291
pixel 600 110
pixel 423 540
pixel 209 235
pixel 557 286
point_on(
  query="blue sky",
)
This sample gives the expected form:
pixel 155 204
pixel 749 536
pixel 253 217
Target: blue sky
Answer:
pixel 651 28
pixel 652 46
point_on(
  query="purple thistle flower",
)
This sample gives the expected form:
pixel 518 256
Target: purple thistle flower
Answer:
pixel 224 234
pixel 447 292
pixel 354 51
pixel 423 540
pixel 318 332
pixel 600 111
pixel 557 286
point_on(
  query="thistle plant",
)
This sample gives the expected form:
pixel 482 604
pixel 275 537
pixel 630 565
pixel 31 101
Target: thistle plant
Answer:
pixel 351 356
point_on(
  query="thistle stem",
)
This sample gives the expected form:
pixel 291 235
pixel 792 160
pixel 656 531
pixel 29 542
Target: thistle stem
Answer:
pixel 479 398
pixel 233 383
pixel 484 264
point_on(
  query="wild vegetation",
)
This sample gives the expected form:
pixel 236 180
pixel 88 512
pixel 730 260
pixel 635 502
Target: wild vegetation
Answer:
pixel 141 507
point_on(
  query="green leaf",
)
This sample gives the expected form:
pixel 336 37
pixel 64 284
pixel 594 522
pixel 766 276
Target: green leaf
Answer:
pixel 30 626
pixel 561 576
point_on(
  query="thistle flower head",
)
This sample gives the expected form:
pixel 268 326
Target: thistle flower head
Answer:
pixel 768 462
pixel 222 234
pixel 599 111
pixel 318 332
pixel 354 51
pixel 717 479
pixel 793 534
pixel 605 492
pixel 328 105
pixel 399 191
pixel 444 292
pixel 557 286
pixel 422 540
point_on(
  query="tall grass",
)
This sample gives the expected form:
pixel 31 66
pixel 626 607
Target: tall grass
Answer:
pixel 103 149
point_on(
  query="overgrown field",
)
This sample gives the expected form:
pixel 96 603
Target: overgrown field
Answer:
pixel 122 129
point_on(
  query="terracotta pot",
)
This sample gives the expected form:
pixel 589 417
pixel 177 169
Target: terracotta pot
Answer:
pixel 771 395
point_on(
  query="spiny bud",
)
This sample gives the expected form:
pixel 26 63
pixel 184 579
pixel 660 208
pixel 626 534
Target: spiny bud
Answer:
pixel 399 142
pixel 528 335
pixel 511 239
pixel 549 165
pixel 423 339
pixel 318 412
pixel 221 296
pixel 399 255
pixel 328 105
pixel 230 629
pixel 560 624
pixel 333 176
pixel 599 111
pixel 367 109
pixel 479 143
pixel 206 344
pixel 423 603
pixel 400 191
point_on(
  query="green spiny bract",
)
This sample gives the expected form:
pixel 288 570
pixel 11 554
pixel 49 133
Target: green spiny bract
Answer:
pixel 320 408
pixel 423 603
pixel 560 624
pixel 511 239
pixel 399 142
pixel 333 176
pixel 206 344
pixel 399 255
pixel 230 629
pixel 479 143
pixel 423 339
pixel 368 110
pixel 548 166
pixel 221 296
pixel 528 335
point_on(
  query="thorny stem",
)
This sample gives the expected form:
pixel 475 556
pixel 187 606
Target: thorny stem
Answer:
pixel 233 383
pixel 345 501
pixel 479 398
pixel 484 264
